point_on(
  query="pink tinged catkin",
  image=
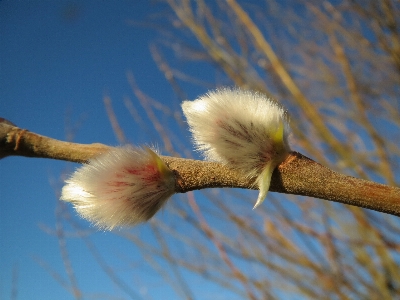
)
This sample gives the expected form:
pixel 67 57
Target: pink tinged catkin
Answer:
pixel 242 129
pixel 122 187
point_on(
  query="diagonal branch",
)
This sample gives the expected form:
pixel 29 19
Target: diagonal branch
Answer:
pixel 297 175
pixel 308 108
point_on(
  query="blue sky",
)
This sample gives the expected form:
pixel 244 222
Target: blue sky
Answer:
pixel 58 60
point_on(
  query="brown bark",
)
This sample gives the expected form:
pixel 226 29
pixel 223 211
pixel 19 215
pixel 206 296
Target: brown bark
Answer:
pixel 297 175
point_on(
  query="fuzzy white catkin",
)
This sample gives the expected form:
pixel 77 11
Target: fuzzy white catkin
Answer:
pixel 241 128
pixel 124 186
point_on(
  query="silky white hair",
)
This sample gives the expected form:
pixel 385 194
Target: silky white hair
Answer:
pixel 241 128
pixel 124 186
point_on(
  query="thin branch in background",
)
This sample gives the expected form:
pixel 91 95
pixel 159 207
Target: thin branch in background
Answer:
pixel 14 282
pixel 114 121
pixel 111 273
pixel 210 233
pixel 360 107
pixel 62 242
pixel 72 127
pixel 174 137
pixel 144 102
pixel 168 73
pixel 179 282
pixel 149 134
pixel 134 113
pixel 53 273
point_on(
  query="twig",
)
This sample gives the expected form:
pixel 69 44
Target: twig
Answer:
pixel 297 175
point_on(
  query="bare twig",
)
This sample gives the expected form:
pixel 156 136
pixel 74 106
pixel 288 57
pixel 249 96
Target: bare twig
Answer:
pixel 17 141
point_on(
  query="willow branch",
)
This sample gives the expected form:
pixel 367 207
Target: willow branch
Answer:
pixel 298 174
